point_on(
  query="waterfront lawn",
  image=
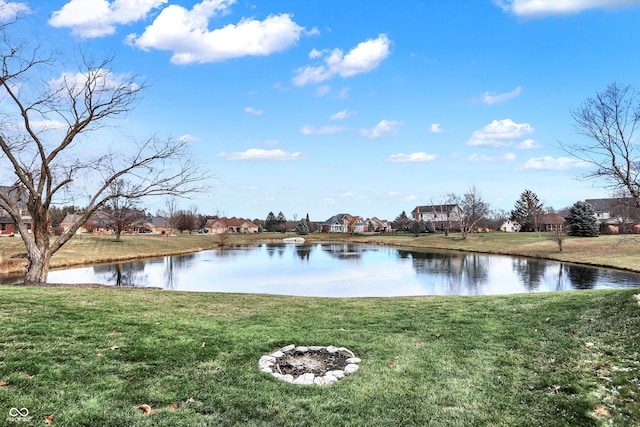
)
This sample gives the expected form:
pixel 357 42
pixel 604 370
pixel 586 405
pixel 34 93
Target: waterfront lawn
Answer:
pixel 93 356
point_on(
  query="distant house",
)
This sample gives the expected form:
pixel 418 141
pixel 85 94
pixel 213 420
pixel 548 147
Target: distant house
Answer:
pixel 336 224
pixel 231 225
pixel 378 226
pixel 552 222
pixel 345 223
pixel 7 227
pixel 100 223
pixel 158 225
pixel 7 224
pixel 96 224
pixel 440 215
pixel 621 214
pixel 510 226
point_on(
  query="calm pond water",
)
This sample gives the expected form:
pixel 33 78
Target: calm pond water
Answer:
pixel 348 270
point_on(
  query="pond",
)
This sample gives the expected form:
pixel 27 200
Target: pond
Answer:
pixel 348 270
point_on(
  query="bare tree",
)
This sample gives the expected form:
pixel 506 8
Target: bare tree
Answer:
pixel 44 118
pixel 609 121
pixel 122 211
pixel 474 209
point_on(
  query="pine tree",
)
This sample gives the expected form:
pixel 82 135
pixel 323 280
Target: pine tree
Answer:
pixel 302 227
pixel 581 220
pixel 527 211
pixel 270 224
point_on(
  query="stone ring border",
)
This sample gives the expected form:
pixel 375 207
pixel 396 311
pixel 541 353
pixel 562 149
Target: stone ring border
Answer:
pixel 268 361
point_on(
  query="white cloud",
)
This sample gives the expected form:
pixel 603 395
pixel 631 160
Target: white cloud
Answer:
pixel 435 128
pixel 186 34
pixel 9 10
pixel 509 157
pixel 410 198
pixel 491 99
pixel 344 93
pixel 384 127
pixel 98 18
pixel 103 79
pixel 550 163
pixel 363 58
pixel 499 133
pixel 412 158
pixel 324 130
pixel 47 125
pixel 187 138
pixel 552 7
pixel 529 144
pixel 342 115
pixel 260 154
pixel 322 90
pixel 253 111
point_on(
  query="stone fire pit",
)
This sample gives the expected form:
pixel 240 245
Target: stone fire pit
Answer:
pixel 310 365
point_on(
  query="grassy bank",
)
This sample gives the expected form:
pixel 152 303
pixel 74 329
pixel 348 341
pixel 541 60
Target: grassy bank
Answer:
pixel 92 356
pixel 611 251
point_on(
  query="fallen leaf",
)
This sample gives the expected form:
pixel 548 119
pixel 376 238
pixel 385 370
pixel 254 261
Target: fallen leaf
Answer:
pixel 146 409
pixel 173 407
pixel 552 361
pixel 589 344
pixel 438 335
pixel 574 332
pixel 99 354
pixel 114 347
pixel 392 365
pixel 202 345
pixel 49 420
pixel 601 411
pixel 419 343
pixel 132 378
pixel 191 400
pixel 556 389
pixel 3 383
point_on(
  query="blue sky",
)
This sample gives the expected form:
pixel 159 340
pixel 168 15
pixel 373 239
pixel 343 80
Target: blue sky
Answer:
pixel 362 107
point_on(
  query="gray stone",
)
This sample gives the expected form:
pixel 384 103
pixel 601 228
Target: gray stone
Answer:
pixel 288 348
pixel 304 379
pixel 332 349
pixel 335 374
pixel 353 360
pixel 277 354
pixel 351 368
pixel 302 349
pixel 329 379
pixel 315 347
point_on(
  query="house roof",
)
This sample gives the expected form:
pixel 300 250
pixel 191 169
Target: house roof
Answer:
pixel 437 208
pixel 338 218
pixel 606 205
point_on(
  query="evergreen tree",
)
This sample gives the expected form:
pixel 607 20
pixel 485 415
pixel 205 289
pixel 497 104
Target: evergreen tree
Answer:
pixel 429 227
pixel 271 224
pixel 302 227
pixel 403 222
pixel 527 211
pixel 581 220
pixel 281 221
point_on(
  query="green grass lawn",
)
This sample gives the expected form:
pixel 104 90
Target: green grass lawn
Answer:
pixel 89 357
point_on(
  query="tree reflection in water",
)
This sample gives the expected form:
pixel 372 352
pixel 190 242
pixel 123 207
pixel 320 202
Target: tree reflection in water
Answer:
pixel 462 273
pixel 582 277
pixel 530 272
pixel 122 274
